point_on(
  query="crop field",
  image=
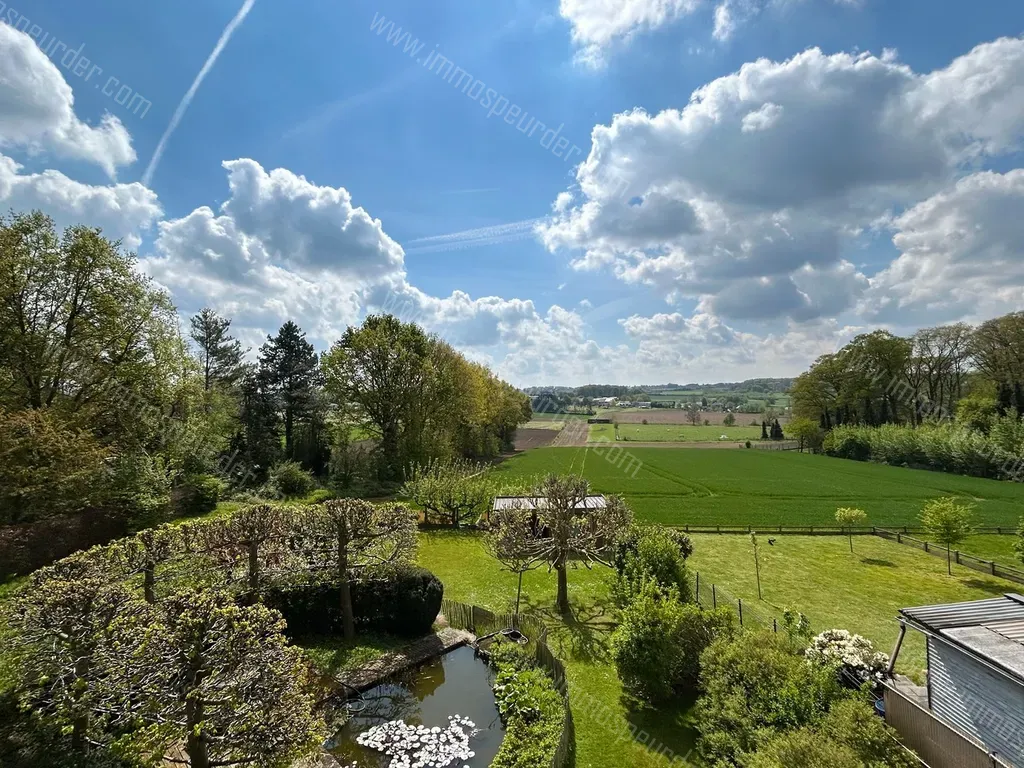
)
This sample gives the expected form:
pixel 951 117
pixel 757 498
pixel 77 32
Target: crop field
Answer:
pixel 861 591
pixel 677 416
pixel 681 486
pixel 681 433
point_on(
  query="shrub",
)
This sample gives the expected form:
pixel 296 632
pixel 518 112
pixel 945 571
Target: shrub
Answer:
pixel 854 724
pixel 754 688
pixel 748 444
pixel 652 553
pixel 405 603
pixel 290 480
pixel 531 709
pixel 852 654
pixel 198 496
pixel 658 643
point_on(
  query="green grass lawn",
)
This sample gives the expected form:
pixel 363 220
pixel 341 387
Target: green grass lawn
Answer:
pixel 695 486
pixel 671 433
pixel 860 592
pixel 603 720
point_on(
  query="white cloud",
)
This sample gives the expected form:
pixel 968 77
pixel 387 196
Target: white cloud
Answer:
pixel 596 24
pixel 123 211
pixel 749 198
pixel 962 254
pixel 37 110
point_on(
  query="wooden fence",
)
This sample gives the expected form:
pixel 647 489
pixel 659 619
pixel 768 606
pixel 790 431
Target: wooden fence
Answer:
pixel 825 530
pixel 938 745
pixel 480 622
pixel 990 567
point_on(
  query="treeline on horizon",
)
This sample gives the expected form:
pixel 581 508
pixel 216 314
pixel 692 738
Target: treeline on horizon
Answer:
pixel 106 405
pixel 949 398
pixel 767 386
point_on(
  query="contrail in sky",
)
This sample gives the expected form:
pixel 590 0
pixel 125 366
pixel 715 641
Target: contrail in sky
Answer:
pixel 183 106
pixel 471 238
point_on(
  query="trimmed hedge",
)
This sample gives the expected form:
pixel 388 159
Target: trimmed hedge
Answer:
pixel 405 604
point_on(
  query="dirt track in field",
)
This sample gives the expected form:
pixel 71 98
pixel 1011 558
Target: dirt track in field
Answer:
pixel 632 444
pixel 534 438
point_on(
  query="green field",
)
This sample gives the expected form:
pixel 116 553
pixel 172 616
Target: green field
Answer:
pixel 676 433
pixel 861 592
pixel 696 486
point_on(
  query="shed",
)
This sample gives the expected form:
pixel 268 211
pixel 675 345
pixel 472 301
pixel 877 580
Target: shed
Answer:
pixel 976 668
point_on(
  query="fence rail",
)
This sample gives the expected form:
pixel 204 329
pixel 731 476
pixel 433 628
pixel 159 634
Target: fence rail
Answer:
pixel 990 567
pixel 480 621
pixel 937 744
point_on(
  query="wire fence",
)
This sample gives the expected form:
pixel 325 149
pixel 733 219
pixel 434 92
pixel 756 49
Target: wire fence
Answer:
pixel 480 622
pixel 750 613
pixel 827 530
pixel 990 567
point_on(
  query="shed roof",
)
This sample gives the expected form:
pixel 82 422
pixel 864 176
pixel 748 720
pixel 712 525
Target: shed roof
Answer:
pixel 538 502
pixel 992 629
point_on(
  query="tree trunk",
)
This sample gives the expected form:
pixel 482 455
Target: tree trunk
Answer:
pixel 254 572
pixel 850 537
pixel 563 589
pixel 519 592
pixel 149 583
pixel 195 742
pixel 348 619
pixel 80 723
pixel 949 566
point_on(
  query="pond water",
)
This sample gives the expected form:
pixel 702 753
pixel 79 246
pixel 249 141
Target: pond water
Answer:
pixel 457 683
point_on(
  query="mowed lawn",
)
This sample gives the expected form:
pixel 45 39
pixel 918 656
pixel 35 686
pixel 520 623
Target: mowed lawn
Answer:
pixel 861 592
pixel 693 486
pixel 603 720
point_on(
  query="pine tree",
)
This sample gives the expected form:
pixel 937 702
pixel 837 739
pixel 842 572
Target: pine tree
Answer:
pixel 289 366
pixel 259 441
pixel 219 353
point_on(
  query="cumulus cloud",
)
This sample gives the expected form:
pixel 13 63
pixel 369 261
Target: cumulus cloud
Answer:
pixel 123 211
pixel 961 254
pixel 749 198
pixel 37 110
pixel 598 23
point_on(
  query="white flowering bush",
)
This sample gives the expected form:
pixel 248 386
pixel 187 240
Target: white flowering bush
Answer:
pixel 417 746
pixel 853 653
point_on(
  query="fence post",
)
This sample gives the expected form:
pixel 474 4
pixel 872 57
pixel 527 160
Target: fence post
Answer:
pixel 775 625
pixel 899 537
pixel 926 547
pixel 993 564
pixel 714 597
pixel 956 554
pixel 697 590
pixel 739 602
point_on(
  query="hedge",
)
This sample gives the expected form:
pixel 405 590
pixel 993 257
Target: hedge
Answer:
pixel 404 604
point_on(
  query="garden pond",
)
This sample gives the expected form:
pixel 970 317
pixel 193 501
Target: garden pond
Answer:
pixel 439 713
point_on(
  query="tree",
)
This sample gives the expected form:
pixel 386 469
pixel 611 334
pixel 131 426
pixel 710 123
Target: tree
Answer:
pixel 693 414
pixel 729 420
pixel 380 368
pixel 806 431
pixel 847 517
pixel 247 535
pixel 948 523
pixel 508 540
pixel 289 367
pixel 62 622
pixel 220 354
pixel 222 679
pixel 48 469
pixel 451 492
pixel 764 430
pixel 566 528
pixel 651 554
pixel 355 539
pixel 258 443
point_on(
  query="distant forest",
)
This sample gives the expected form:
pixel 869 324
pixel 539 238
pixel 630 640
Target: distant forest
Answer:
pixel 767 386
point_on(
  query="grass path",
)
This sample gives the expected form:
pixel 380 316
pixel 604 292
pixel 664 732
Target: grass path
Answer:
pixel 860 592
pixel 609 733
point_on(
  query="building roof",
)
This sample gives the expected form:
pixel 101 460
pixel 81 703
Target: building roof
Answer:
pixel 536 502
pixel 991 630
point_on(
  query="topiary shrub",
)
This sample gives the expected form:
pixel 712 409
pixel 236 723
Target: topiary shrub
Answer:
pixel 290 479
pixel 198 496
pixel 404 604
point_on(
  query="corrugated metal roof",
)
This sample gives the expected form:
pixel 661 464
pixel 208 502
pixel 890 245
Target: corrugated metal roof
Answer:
pixel 536 502
pixel 1011 630
pixel 975 613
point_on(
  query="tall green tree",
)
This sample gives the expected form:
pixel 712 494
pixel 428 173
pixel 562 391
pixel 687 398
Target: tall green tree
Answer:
pixel 380 368
pixel 290 369
pixel 948 523
pixel 220 353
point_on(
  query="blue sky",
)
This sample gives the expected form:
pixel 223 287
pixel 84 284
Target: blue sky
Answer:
pixel 838 171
